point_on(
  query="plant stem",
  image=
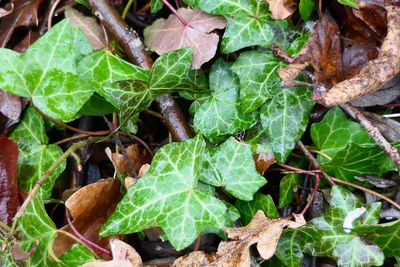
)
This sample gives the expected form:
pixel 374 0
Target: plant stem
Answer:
pixel 373 132
pixel 5 227
pixel 84 239
pixel 175 12
pixel 47 174
pixel 312 196
pixel 97 133
pixel 77 240
pixel 126 9
pixel 72 138
pixel 51 13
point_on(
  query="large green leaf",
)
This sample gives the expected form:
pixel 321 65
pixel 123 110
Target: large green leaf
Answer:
pixel 385 235
pixel 217 115
pixel 248 22
pixel 262 202
pixel 168 196
pixel 232 167
pixel 47 72
pixel 326 236
pixel 259 79
pixel 285 118
pixel 36 155
pixel 36 226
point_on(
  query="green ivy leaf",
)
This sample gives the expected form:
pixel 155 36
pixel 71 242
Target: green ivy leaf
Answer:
pixel 77 255
pixel 156 5
pixel 285 118
pixel 36 156
pixel 351 3
pixel 326 237
pixel 385 235
pixel 47 72
pixel 262 202
pixel 36 226
pixel 217 116
pixel 168 197
pixel 287 188
pixel 259 79
pixel 232 167
pixel 306 8
pixel 248 22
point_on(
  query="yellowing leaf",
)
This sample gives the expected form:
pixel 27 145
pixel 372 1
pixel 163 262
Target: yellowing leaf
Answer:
pixel 168 35
pixel 281 9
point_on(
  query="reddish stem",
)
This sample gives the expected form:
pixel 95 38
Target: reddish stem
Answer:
pixel 311 199
pixel 84 240
pixel 175 12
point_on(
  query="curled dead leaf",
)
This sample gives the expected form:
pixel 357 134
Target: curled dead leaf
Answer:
pixel 281 9
pixel 375 73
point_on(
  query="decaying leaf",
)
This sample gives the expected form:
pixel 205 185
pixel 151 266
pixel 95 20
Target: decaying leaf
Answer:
pixel 10 105
pixel 281 9
pixel 89 208
pixel 322 52
pixel 123 256
pixel 4 12
pixel 388 127
pixel 168 35
pixel 261 230
pixel 376 72
pixel 9 201
pixel 137 156
pixel 89 26
pixel 23 15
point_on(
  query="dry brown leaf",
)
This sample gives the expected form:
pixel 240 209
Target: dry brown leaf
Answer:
pixel 89 207
pixel 137 156
pixel 123 256
pixel 10 105
pixel 89 27
pixel 322 51
pixel 235 253
pixel 168 35
pixel 281 9
pixel 376 72
pixel 23 15
pixel 4 12
pixel 193 259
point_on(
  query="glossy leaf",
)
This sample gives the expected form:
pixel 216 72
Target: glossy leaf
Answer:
pixel 76 256
pixel 259 79
pixel 168 196
pixel 306 8
pixel 261 202
pixel 285 118
pixel 232 167
pixel 36 155
pixel 217 116
pixel 47 72
pixel 36 226
pixel 325 236
pixel 287 188
pixel 248 22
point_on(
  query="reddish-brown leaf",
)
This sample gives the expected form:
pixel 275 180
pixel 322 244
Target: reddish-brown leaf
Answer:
pixel 9 201
pixel 23 15
pixel 10 105
pixel 167 35
pixel 137 157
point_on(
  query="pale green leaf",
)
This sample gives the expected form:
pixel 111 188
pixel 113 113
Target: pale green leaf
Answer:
pixel 36 226
pixel 285 118
pixel 261 202
pixel 259 79
pixel 217 116
pixel 168 197
pixel 47 72
pixel 232 167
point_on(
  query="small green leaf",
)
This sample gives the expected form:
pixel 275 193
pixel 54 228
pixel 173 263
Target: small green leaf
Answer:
pixel 47 72
pixel 168 197
pixel 285 118
pixel 248 22
pixel 262 202
pixel 306 8
pixel 156 5
pixel 36 156
pixel 259 79
pixel 232 167
pixel 76 256
pixel 385 235
pixel 36 226
pixel 351 3
pixel 217 116
pixel 287 188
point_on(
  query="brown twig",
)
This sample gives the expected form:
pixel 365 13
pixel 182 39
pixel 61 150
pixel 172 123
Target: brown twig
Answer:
pixel 173 117
pixel 373 132
pixel 314 162
pixel 312 196
pixel 51 13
